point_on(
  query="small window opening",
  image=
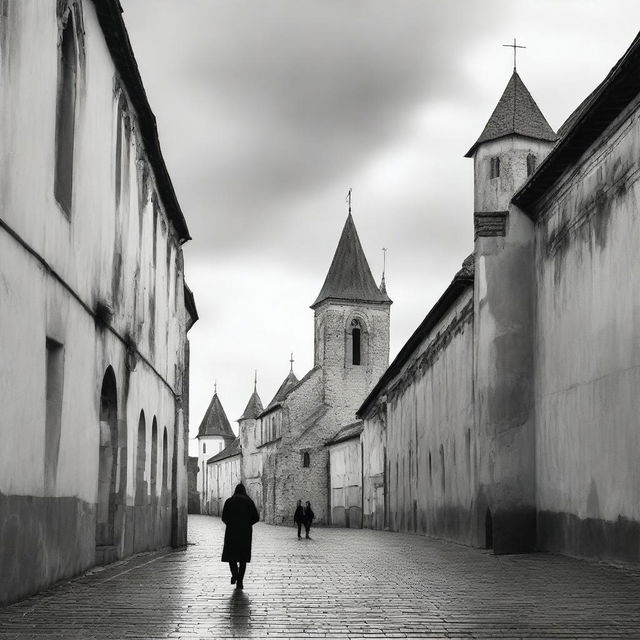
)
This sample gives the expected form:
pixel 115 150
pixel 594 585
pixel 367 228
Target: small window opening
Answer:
pixel 65 116
pixel 306 459
pixel 355 342
pixel 204 447
pixel 495 168
pixel 531 164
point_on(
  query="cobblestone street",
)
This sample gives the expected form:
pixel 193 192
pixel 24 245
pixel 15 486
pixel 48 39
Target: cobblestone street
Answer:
pixel 339 584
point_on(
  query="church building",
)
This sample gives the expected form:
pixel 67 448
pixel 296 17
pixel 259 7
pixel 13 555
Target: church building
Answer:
pixel 281 448
pixel 509 419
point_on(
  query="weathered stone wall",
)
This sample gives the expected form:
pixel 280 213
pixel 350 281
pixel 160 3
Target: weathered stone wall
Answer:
pixel 345 480
pixel 102 286
pixel 587 359
pixel 429 443
pixel 347 385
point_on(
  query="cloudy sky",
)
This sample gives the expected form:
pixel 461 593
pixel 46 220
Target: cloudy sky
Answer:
pixel 270 110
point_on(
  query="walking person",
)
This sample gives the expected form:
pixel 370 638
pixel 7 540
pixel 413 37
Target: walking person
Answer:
pixel 239 514
pixel 298 517
pixel 307 518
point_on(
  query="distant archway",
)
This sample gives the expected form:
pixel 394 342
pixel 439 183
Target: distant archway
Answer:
pixel 108 456
pixel 488 530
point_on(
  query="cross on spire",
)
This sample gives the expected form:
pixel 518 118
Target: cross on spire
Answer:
pixel 348 199
pixel 292 361
pixel 514 46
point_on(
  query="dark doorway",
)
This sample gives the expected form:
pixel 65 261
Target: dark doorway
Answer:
pixel 488 531
pixel 107 470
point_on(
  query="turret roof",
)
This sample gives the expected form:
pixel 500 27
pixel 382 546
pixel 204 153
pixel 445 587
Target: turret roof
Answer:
pixel 215 421
pixel 516 113
pixel 289 382
pixel 253 408
pixel 349 276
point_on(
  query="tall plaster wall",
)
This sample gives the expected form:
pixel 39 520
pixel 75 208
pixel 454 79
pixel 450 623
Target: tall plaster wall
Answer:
pixel 427 436
pixel 56 271
pixel 587 358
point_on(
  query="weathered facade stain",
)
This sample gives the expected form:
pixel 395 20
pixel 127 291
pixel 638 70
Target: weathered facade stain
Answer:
pixel 78 333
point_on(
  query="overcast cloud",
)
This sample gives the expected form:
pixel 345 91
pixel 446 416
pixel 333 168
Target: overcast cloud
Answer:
pixel 269 110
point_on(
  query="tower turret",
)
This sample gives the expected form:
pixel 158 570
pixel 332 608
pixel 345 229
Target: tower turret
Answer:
pixel 513 143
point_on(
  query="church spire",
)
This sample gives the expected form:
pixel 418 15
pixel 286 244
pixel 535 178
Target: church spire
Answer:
pixel 515 114
pixel 349 277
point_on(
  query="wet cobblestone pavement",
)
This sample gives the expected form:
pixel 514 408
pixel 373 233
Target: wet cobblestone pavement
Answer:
pixel 340 584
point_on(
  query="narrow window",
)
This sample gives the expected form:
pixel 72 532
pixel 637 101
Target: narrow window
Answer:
pixel 54 388
pixel 355 342
pixel 306 460
pixel 495 168
pixel 65 116
pixel 204 447
pixel 165 460
pixel 141 456
pixel 531 164
pixel 154 456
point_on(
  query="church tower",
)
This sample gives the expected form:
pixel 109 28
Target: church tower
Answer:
pixel 214 434
pixel 351 327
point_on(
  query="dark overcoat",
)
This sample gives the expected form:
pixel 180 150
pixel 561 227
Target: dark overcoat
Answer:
pixel 298 516
pixel 239 514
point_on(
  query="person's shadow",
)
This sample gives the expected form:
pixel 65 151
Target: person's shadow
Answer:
pixel 239 610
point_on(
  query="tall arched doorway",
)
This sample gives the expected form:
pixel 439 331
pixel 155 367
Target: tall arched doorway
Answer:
pixel 108 456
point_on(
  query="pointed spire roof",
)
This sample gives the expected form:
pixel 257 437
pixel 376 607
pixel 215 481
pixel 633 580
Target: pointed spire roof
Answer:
pixel 289 382
pixel 215 421
pixel 516 113
pixel 349 276
pixel 253 409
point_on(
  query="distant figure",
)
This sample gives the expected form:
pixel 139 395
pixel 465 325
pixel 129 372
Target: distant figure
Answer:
pixel 298 517
pixel 307 518
pixel 239 514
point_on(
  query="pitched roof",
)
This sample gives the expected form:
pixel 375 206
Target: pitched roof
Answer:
pixel 289 382
pixel 215 421
pixel 349 276
pixel 229 451
pixel 516 113
pixel 117 39
pixel 253 408
pixel 348 432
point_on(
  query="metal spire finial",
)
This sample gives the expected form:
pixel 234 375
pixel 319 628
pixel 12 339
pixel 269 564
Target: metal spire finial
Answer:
pixel 348 199
pixel 514 46
pixel 215 387
pixel 255 381
pixel 291 361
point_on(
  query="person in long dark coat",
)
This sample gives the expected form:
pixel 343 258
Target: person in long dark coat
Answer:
pixel 239 514
pixel 307 518
pixel 298 517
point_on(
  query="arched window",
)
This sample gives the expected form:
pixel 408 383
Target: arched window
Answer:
pixel 356 346
pixel 531 164
pixel 306 459
pixel 66 114
pixel 141 460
